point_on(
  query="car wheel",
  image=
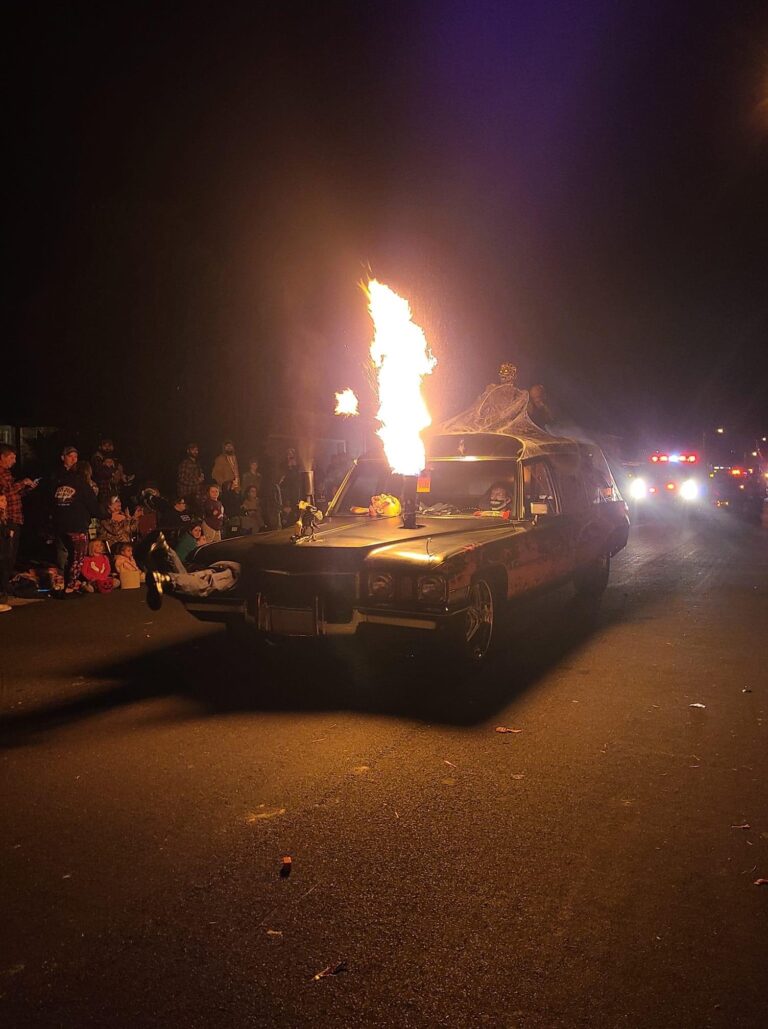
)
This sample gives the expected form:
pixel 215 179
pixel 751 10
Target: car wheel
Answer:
pixel 592 580
pixel 477 625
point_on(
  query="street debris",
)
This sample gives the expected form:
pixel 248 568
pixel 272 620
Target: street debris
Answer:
pixel 697 705
pixel 744 825
pixel 340 966
pixel 506 728
pixel 286 866
pixel 747 689
pixel 447 762
pixel 12 970
pixel 760 882
pixel 274 932
pixel 264 812
pixel 519 775
pixel 361 769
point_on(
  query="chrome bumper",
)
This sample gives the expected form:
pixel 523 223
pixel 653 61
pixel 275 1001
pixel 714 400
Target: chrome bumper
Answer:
pixel 298 621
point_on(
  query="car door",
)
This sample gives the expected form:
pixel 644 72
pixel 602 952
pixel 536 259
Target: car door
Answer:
pixel 545 549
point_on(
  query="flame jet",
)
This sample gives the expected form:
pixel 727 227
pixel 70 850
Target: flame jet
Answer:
pixel 402 358
pixel 346 403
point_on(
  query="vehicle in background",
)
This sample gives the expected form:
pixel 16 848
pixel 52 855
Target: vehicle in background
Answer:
pixel 738 489
pixel 666 482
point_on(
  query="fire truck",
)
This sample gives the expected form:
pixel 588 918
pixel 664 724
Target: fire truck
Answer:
pixel 667 481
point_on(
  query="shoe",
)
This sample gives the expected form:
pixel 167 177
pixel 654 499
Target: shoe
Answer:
pixel 155 582
pixel 5 607
pixel 160 555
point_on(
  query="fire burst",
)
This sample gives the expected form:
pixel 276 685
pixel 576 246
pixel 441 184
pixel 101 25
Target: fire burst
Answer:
pixel 346 402
pixel 401 356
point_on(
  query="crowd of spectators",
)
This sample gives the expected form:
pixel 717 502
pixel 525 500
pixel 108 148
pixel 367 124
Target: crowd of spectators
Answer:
pixel 93 512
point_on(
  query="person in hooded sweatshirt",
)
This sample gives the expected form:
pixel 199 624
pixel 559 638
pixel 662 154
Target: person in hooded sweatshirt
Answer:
pixel 74 505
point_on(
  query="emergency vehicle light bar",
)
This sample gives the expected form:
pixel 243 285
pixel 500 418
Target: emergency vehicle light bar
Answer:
pixel 658 458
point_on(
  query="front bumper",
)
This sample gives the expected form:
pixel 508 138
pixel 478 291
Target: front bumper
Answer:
pixel 309 621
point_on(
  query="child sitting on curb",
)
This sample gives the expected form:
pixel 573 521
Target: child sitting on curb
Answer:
pixel 128 571
pixel 97 571
pixel 189 541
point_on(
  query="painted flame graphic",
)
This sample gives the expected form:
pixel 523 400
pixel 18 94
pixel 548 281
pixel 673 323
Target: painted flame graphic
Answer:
pixel 401 357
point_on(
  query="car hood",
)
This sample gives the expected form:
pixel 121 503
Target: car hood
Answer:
pixel 346 543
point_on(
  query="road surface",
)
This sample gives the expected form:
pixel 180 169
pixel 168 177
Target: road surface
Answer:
pixel 595 869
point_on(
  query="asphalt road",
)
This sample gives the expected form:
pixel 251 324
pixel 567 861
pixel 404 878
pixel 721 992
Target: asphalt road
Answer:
pixel 595 869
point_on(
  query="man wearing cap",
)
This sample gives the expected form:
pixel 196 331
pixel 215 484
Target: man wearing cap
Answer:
pixel 74 505
pixel 227 476
pixel 13 491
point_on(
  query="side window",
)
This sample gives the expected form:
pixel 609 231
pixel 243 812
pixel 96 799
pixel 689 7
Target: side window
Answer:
pixel 597 477
pixel 537 486
pixel 573 494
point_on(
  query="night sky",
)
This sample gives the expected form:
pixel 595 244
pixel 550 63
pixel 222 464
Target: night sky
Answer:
pixel 196 192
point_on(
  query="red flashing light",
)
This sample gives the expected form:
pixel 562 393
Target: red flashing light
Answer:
pixel 663 457
pixel 655 458
pixel 670 486
pixel 691 458
pixel 652 489
pixel 737 471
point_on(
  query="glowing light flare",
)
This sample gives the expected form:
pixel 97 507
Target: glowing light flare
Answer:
pixel 346 403
pixel 401 357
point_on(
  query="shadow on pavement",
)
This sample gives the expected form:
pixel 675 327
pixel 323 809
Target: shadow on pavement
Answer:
pixel 220 676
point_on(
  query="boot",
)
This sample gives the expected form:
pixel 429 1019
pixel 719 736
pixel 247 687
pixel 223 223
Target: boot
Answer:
pixel 155 583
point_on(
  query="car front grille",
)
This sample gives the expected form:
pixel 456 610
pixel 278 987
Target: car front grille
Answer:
pixel 335 593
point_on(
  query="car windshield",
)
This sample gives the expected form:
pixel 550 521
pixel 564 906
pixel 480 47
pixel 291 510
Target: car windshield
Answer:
pixel 446 488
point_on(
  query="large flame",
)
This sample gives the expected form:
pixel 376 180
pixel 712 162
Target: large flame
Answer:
pixel 346 402
pixel 401 356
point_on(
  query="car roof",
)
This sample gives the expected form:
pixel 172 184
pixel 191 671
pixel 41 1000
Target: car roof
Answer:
pixel 502 444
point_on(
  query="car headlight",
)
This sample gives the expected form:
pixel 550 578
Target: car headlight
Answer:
pixel 637 489
pixel 431 588
pixel 689 490
pixel 381 585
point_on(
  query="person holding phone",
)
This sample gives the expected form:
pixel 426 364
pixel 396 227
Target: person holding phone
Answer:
pixel 13 490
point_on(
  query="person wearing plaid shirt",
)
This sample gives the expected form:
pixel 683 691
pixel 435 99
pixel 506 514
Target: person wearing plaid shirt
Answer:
pixel 13 491
pixel 190 477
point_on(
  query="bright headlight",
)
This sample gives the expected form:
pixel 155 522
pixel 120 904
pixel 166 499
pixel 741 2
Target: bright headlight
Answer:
pixel 689 490
pixel 637 489
pixel 381 585
pixel 431 588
